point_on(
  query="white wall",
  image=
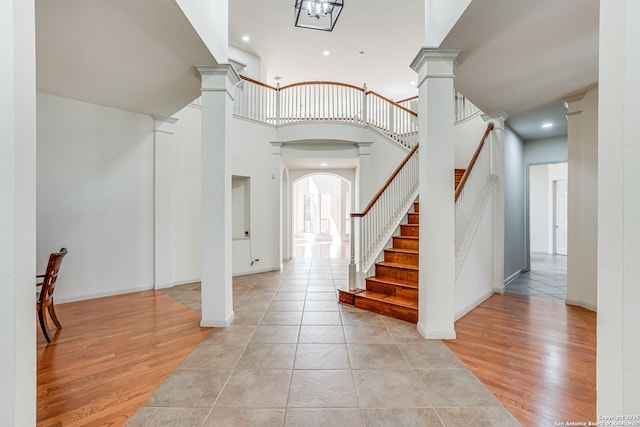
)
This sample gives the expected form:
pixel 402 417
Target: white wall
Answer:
pixel 187 185
pixel 475 281
pixel 539 208
pixel 466 138
pixel 440 16
pixel 618 370
pixel 210 19
pixel 582 247
pixel 17 213
pixel 253 157
pixel 95 196
pixel 514 226
pixel 546 150
pixel 253 64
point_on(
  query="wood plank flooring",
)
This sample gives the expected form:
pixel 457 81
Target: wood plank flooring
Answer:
pixel 538 356
pixel 110 356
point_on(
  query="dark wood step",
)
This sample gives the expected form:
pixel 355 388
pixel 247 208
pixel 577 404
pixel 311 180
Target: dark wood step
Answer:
pixel 393 270
pixel 402 256
pixel 416 207
pixel 406 242
pixel 413 218
pixel 409 230
pixel 393 287
pixel 387 305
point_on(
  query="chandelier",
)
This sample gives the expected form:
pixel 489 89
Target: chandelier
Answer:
pixel 318 14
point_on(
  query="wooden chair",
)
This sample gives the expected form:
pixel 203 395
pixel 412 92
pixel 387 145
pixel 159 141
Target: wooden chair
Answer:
pixel 48 285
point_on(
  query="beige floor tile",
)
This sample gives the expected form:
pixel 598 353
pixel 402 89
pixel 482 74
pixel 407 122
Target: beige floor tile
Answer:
pixel 252 388
pixel 276 334
pixel 190 388
pixel 414 417
pixel 429 354
pixel 334 417
pixel 244 417
pixel 322 356
pixel 212 355
pixel 289 296
pixel 361 318
pixel 455 387
pixel 365 334
pixel 481 417
pixel 267 356
pixel 247 317
pixel 376 356
pixel 322 296
pixel 287 305
pixel 322 389
pixel 153 416
pixel 321 335
pixel 284 318
pixel 321 288
pixel 236 334
pixel 390 389
pixel 319 318
pixel 311 305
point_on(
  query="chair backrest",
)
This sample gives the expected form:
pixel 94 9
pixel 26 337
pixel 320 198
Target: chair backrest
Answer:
pixel 51 275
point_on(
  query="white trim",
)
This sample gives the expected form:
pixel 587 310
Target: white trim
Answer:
pixel 513 276
pixel 473 304
pixel 103 294
pixel 582 304
pixel 436 335
pixel 178 283
pixel 218 324
pixel 261 270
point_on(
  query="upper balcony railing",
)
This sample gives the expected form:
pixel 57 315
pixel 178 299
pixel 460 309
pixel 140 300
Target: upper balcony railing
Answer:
pixel 320 100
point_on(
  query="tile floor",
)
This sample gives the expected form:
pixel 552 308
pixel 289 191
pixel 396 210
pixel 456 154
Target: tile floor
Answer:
pixel 295 357
pixel 547 278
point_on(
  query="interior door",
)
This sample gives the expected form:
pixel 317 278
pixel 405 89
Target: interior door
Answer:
pixel 560 217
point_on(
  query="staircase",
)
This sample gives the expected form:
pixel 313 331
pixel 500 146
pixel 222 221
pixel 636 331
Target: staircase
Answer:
pixel 393 290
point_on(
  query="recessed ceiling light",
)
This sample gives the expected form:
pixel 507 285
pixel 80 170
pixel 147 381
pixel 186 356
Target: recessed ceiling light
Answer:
pixel 361 53
pixel 326 53
pixel 547 125
pixel 412 83
pixel 246 39
pixel 276 78
pixel 324 164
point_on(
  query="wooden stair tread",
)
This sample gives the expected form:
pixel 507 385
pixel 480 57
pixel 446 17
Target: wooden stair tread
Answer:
pixel 389 299
pixel 394 282
pixel 402 251
pixel 397 265
pixel 407 237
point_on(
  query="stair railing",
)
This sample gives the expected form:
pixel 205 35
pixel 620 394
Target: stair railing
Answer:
pixel 320 100
pixel 372 228
pixel 256 101
pixel 392 119
pixel 472 193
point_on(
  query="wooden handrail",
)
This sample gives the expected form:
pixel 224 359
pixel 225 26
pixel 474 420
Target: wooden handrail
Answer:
pixel 322 83
pixel 473 160
pixel 249 79
pixel 386 184
pixel 408 99
pixel 393 103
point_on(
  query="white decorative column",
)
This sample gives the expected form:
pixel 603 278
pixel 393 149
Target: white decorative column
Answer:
pixel 497 147
pixel 618 356
pixel 437 226
pixel 217 109
pixel 164 141
pixel 17 213
pixel 582 206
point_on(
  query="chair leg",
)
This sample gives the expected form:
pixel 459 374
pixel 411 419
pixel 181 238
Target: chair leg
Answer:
pixel 44 326
pixel 52 313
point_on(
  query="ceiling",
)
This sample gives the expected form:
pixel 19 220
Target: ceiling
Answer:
pixel 518 57
pixel 133 55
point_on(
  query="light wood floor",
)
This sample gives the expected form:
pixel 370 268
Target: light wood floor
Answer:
pixel 110 356
pixel 538 356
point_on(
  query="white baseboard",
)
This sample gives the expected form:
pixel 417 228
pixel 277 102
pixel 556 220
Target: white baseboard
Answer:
pixel 256 271
pixel 217 323
pixel 103 294
pixel 474 304
pixel 513 276
pixel 436 335
pixel 177 283
pixel 581 304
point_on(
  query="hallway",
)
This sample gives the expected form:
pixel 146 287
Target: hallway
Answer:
pixel 295 357
pixel 546 279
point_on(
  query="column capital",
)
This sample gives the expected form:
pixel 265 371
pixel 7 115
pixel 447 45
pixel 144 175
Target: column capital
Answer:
pixel 498 119
pixel 364 148
pixel 432 63
pixel 165 124
pixel 218 78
